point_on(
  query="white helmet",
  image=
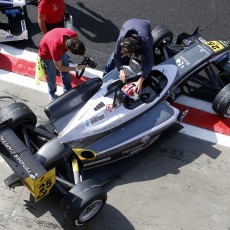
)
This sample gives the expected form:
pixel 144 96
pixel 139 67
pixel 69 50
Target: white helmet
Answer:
pixel 129 93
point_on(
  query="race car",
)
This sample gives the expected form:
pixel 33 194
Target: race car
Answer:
pixel 13 20
pixel 212 82
pixel 96 129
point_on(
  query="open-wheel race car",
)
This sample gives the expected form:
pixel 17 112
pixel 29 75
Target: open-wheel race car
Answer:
pixel 94 130
pixel 211 80
pixel 13 20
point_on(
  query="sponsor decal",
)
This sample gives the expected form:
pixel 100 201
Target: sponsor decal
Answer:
pixel 202 40
pixel 17 157
pixel 187 42
pixel 9 37
pixel 109 107
pixel 23 25
pixel 181 62
pixel 94 120
pixel 99 106
pixel 145 139
pixel 225 42
pixel 97 162
pixel 214 45
pixel 145 142
pixel 55 7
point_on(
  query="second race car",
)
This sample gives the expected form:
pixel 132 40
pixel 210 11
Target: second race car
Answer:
pixel 13 20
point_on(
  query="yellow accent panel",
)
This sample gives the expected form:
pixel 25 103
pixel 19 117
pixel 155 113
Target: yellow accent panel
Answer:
pixel 75 165
pixel 215 45
pixel 41 186
pixel 85 154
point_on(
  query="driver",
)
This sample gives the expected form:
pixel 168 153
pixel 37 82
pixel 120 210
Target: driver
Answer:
pixel 135 39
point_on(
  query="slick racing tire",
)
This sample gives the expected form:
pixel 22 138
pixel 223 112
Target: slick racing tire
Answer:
pixel 83 202
pixel 17 113
pixel 161 36
pixel 221 103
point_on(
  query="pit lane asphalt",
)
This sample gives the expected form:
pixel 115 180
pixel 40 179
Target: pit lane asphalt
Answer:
pixel 98 22
pixel 180 183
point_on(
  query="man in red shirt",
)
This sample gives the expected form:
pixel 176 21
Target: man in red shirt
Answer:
pixel 53 51
pixel 51 14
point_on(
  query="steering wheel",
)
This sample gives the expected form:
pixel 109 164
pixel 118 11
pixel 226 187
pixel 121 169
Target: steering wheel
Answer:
pixel 114 87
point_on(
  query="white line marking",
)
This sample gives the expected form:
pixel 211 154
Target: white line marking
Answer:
pixel 206 135
pixel 195 103
pixel 18 53
pixel 28 82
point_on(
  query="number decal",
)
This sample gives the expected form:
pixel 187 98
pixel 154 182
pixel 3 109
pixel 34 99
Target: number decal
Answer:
pixel 44 184
pixel 214 45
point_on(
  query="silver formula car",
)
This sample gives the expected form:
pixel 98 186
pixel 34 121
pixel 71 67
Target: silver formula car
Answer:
pixel 96 129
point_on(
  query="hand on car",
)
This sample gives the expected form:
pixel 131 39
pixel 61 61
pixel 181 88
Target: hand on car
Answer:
pixel 139 85
pixel 122 76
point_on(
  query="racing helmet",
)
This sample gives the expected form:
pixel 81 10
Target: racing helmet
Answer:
pixel 129 94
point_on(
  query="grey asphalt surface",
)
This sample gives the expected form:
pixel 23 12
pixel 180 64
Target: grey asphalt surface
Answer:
pixel 98 22
pixel 182 183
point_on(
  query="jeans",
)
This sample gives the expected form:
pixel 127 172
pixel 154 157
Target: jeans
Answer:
pixel 51 72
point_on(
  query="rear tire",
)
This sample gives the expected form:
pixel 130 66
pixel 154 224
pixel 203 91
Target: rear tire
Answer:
pixel 83 202
pixel 221 103
pixel 17 113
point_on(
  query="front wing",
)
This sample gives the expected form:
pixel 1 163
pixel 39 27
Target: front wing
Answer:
pixel 29 170
pixel 13 24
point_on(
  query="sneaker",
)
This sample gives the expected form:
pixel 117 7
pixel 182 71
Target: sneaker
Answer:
pixel 52 97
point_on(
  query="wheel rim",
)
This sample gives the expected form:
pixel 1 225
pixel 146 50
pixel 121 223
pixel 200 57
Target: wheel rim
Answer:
pixel 89 211
pixel 159 45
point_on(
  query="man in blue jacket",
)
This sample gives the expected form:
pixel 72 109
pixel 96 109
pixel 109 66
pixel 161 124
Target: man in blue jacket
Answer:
pixel 134 39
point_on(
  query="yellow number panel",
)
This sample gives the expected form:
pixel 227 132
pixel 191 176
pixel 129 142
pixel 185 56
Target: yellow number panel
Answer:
pixel 41 187
pixel 215 45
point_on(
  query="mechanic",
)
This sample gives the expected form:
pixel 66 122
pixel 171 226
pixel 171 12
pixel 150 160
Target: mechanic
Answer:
pixel 51 14
pixel 52 50
pixel 134 39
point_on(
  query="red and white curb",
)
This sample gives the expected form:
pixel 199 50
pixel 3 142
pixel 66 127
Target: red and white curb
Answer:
pixel 200 122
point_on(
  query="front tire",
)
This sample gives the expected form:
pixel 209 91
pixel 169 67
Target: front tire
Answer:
pixel 221 103
pixel 161 36
pixel 83 202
